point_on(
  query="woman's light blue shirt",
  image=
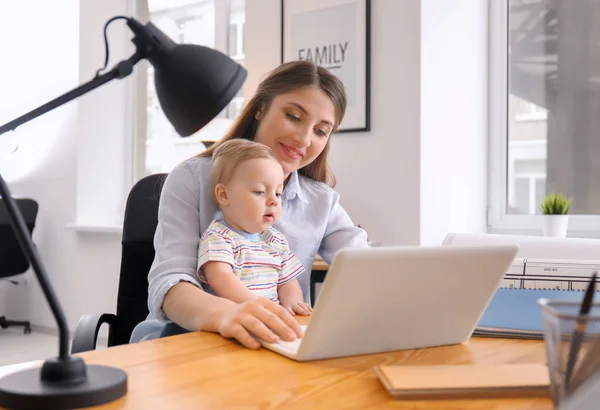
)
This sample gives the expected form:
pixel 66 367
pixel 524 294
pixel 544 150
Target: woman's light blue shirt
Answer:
pixel 312 221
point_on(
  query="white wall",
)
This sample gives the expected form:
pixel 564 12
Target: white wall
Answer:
pixel 420 171
pixel 453 117
pixel 414 109
pixel 82 267
pixel 105 116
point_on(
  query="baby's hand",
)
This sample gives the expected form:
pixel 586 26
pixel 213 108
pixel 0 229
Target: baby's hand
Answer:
pixel 301 308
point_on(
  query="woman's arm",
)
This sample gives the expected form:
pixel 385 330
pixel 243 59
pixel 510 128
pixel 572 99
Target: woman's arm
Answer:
pixel 176 239
pixel 194 309
pixel 340 232
pixel 174 292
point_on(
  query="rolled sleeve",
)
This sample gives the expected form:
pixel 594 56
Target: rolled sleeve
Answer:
pixel 176 239
pixel 291 267
pixel 340 232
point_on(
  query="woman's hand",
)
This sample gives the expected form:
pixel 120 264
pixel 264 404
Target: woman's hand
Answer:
pixel 261 318
pixel 301 308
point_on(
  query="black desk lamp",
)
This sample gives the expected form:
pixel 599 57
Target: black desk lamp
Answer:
pixel 193 84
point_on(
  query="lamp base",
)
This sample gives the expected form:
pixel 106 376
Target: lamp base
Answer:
pixel 62 384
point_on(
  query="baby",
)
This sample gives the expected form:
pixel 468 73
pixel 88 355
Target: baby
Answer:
pixel 241 256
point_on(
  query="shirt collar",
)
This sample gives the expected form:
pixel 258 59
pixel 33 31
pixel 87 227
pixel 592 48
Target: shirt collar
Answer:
pixel 293 189
pixel 254 237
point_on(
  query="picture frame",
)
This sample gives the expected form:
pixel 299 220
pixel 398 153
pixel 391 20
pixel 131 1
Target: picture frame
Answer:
pixel 335 34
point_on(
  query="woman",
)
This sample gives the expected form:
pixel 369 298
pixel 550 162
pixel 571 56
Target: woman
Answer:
pixel 294 112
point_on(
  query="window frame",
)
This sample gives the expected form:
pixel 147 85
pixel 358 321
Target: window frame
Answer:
pixel 497 218
pixel 140 143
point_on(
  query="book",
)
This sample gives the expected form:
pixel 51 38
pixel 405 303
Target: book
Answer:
pixel 551 268
pixel 412 382
pixel 514 313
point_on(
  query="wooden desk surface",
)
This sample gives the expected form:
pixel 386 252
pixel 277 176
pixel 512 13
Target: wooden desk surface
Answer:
pixel 320 264
pixel 203 370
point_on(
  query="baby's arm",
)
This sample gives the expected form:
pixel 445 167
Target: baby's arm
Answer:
pixel 223 281
pixel 290 297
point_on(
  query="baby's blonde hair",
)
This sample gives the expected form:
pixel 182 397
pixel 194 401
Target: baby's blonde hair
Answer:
pixel 229 155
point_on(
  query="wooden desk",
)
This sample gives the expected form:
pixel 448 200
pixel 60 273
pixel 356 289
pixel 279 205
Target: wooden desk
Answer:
pixel 203 370
pixel 320 265
pixel 317 275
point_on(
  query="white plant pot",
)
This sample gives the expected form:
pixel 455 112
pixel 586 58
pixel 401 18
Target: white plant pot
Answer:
pixel 556 225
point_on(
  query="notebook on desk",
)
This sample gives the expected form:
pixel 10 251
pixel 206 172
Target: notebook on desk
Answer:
pixel 552 268
pixel 394 298
pixel 464 381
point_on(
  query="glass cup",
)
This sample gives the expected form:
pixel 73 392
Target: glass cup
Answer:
pixel 566 330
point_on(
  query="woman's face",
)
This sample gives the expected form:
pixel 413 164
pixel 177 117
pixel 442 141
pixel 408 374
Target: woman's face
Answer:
pixel 296 127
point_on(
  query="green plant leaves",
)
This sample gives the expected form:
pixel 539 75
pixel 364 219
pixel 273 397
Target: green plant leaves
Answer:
pixel 556 204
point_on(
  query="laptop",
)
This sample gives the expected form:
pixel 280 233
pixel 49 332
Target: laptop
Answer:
pixel 385 299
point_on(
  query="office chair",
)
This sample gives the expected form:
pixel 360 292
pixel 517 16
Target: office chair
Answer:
pixel 12 259
pixel 137 254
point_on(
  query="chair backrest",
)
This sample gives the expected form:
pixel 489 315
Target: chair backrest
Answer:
pixel 137 255
pixel 12 259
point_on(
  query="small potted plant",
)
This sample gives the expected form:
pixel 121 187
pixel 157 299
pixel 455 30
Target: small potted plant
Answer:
pixel 555 208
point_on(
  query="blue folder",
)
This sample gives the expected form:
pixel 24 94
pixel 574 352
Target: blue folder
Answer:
pixel 515 312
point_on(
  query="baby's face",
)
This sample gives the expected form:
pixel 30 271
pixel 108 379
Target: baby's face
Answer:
pixel 254 194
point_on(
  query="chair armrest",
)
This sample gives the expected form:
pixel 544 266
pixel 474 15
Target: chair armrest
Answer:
pixel 86 332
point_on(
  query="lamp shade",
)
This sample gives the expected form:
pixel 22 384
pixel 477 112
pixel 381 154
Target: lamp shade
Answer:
pixel 193 83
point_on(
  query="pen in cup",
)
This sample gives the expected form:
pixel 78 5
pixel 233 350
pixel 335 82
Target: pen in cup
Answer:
pixel 580 328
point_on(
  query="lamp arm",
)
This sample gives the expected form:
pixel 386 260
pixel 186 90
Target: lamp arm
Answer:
pixel 122 69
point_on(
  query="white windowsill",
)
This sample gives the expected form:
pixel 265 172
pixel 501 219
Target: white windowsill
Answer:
pixel 102 229
pixel 532 116
pixel 578 234
pixel 580 226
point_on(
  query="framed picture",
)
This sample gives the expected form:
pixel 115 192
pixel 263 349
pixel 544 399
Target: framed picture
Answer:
pixel 334 34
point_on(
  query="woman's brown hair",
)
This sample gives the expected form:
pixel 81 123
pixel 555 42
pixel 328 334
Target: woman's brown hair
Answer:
pixel 287 78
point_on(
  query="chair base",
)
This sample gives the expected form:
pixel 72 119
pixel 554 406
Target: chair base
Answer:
pixel 4 323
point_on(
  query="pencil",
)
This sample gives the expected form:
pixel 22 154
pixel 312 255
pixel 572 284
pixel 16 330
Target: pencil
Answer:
pixel 580 327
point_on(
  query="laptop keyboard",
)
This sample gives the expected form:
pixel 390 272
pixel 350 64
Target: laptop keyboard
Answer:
pixel 291 346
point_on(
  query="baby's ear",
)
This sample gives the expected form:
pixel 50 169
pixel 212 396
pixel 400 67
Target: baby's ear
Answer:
pixel 221 195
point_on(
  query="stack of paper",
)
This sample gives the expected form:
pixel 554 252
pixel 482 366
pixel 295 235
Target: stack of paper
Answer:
pixel 551 268
pixel 465 381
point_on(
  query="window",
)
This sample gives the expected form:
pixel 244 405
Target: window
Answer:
pixel 218 24
pixel 544 111
pixel 527 111
pixel 236 37
pixel 527 186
